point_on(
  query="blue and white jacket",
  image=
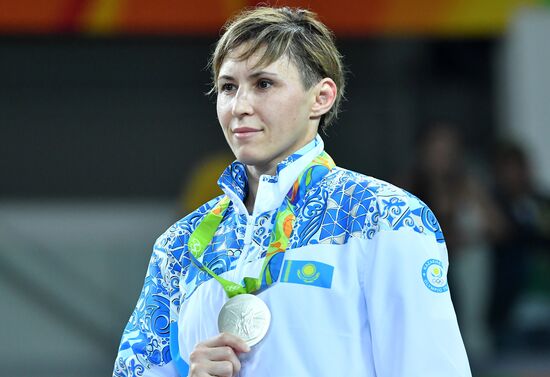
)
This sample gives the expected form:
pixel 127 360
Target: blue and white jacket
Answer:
pixel 362 289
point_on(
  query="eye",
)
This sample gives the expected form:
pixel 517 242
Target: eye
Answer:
pixel 227 87
pixel 264 83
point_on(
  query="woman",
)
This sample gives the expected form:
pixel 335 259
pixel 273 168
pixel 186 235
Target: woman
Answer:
pixel 302 268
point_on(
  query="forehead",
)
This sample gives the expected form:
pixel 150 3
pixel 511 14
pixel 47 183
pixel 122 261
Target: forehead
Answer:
pixel 235 61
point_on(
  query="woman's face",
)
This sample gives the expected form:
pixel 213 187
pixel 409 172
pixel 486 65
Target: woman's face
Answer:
pixel 265 112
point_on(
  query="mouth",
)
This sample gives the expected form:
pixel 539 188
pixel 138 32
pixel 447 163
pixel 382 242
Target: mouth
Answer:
pixel 245 132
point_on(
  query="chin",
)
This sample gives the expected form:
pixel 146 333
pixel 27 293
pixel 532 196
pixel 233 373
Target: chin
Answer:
pixel 250 160
pixel 249 157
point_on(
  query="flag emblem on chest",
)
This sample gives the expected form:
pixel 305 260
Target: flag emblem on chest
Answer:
pixel 313 273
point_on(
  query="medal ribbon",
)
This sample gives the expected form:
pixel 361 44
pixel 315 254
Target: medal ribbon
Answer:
pixel 283 227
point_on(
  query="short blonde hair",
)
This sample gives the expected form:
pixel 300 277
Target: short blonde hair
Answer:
pixel 298 33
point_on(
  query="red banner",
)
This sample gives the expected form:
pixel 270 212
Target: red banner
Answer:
pixel 345 17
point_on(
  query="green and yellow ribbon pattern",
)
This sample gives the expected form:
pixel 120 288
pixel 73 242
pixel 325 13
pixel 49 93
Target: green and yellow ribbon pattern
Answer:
pixel 280 236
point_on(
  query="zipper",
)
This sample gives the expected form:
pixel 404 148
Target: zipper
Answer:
pixel 247 243
pixel 250 222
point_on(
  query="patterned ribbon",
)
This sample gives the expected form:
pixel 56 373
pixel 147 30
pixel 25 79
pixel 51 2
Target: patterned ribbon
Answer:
pixel 279 240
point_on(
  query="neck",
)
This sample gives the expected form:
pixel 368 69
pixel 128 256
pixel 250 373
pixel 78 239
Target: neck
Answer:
pixel 254 174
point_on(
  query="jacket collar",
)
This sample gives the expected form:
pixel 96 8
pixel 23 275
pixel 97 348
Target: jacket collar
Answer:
pixel 271 188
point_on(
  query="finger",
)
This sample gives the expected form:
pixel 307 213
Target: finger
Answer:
pixel 226 339
pixel 225 353
pixel 219 361
pixel 221 369
pixel 198 370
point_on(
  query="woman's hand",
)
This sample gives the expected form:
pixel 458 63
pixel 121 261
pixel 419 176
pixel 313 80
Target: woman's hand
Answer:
pixel 217 356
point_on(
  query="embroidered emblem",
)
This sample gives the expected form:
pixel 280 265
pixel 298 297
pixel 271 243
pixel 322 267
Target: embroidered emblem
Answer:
pixel 434 277
pixel 308 273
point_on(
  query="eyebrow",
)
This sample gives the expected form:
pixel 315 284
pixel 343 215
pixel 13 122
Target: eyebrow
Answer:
pixel 252 75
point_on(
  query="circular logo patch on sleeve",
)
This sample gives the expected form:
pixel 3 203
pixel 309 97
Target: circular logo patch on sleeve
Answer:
pixel 434 277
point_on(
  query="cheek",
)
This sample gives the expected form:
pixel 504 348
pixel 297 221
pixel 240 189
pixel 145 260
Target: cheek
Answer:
pixel 295 101
pixel 293 109
pixel 285 107
pixel 221 110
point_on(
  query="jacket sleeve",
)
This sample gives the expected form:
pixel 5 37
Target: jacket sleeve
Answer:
pixel 413 325
pixel 145 345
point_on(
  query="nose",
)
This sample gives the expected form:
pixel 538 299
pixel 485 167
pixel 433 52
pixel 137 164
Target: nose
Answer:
pixel 241 104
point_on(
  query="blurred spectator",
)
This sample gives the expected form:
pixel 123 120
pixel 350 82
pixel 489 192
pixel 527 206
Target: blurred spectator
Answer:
pixel 527 215
pixel 201 186
pixel 470 221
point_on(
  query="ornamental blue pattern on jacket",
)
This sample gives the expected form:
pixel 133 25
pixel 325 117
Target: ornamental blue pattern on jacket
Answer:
pixel 344 204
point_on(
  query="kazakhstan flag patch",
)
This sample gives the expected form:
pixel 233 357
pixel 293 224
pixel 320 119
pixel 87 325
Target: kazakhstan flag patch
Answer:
pixel 307 273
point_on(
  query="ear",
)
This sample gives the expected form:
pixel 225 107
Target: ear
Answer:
pixel 325 94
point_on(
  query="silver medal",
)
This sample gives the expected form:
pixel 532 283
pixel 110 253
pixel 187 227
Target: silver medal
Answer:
pixel 245 316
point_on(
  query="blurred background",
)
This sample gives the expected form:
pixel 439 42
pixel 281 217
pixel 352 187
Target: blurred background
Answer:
pixel 107 138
